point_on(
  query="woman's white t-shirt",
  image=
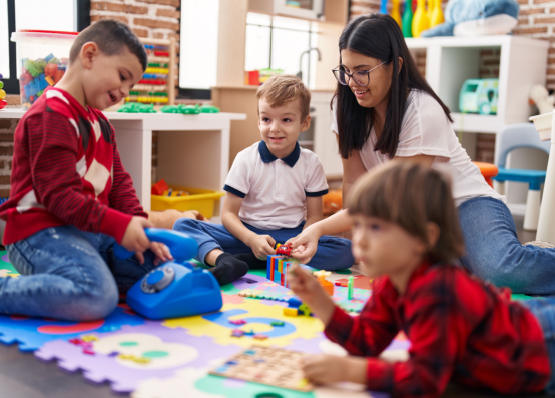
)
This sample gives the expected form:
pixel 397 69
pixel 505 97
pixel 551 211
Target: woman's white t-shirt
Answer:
pixel 427 131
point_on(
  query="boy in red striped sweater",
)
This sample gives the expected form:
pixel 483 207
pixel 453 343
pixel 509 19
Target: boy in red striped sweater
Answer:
pixel 71 199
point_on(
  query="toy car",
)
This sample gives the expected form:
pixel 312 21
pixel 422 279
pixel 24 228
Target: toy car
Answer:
pixel 285 250
pixel 479 96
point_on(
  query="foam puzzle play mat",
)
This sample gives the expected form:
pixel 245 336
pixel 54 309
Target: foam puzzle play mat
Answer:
pixel 209 355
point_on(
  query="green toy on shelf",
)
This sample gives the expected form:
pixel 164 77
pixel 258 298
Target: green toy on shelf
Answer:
pixel 407 20
pixel 209 109
pixel 135 107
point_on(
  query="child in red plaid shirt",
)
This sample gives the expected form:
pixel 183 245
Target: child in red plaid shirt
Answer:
pixel 406 235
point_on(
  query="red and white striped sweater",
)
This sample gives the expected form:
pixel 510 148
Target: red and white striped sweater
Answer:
pixel 67 171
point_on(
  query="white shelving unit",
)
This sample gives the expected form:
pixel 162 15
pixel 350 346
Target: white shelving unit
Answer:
pixel 452 60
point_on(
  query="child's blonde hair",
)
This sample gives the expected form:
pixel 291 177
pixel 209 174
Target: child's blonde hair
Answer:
pixel 279 90
pixel 411 195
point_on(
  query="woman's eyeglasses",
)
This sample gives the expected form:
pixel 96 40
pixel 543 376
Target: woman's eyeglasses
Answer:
pixel 361 77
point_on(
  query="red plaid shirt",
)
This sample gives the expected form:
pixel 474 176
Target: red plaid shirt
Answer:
pixel 459 327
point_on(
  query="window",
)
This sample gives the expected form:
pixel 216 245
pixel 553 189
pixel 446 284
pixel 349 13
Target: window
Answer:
pixel 278 43
pixel 67 15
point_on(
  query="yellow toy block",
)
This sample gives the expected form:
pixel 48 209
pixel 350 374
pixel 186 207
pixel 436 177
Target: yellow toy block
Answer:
pixel 49 80
pixel 290 312
pixel 89 338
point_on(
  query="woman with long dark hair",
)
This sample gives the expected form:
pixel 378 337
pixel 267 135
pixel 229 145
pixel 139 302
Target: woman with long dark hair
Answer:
pixel 384 110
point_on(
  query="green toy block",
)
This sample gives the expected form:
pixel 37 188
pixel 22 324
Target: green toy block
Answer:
pixel 304 309
pixel 189 109
pixel 351 287
pixel 209 109
pixel 279 323
pixel 41 63
pixel 32 68
pixel 170 109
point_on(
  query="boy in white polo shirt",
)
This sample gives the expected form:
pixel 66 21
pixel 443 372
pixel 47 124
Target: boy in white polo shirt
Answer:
pixel 274 191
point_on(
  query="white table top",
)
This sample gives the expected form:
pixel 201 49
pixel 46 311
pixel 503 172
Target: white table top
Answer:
pixel 17 113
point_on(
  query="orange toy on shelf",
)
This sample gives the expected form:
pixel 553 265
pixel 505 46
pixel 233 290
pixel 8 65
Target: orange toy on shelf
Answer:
pixel 327 285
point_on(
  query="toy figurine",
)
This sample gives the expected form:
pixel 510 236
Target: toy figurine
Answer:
pixel 437 15
pixel 420 21
pixel 395 14
pixel 285 250
pixel 407 20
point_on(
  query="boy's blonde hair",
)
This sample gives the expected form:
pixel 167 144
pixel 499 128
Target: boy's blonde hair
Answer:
pixel 279 90
pixel 411 195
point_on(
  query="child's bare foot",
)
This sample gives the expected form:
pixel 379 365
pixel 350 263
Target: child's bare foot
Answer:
pixel 166 218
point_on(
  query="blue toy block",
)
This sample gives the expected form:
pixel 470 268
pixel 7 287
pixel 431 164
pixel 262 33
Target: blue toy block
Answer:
pixel 42 82
pixel 295 302
pixel 533 177
pixel 62 67
pixel 49 57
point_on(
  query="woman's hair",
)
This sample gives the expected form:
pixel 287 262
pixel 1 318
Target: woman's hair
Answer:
pixel 411 195
pixel 377 36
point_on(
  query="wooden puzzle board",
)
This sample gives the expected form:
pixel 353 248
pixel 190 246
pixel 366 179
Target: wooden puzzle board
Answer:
pixel 267 365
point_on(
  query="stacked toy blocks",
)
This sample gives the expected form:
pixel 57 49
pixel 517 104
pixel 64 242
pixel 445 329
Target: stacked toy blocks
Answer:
pixel 277 267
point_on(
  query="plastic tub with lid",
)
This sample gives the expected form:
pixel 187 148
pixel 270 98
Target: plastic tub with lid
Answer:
pixel 43 56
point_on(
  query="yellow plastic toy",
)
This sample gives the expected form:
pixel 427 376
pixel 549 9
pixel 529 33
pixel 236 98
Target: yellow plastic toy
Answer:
pixel 396 14
pixel 420 21
pixel 430 10
pixel 437 15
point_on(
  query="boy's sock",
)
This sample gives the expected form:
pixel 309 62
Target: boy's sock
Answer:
pixel 228 269
pixel 251 260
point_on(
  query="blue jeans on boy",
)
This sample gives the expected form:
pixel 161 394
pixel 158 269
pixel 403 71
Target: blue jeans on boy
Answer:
pixel 494 253
pixel 333 253
pixel 544 310
pixel 68 274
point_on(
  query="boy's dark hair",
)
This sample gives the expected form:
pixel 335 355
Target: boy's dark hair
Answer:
pixel 111 37
pixel 378 36
pixel 411 195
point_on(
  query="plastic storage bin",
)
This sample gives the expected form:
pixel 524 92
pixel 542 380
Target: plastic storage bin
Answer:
pixel 43 59
pixel 202 200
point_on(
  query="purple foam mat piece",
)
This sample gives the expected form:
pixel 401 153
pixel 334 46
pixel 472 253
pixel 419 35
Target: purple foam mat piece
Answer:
pixel 32 333
pixel 248 281
pixel 100 368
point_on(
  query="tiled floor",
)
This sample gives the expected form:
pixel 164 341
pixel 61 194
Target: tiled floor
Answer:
pixel 22 376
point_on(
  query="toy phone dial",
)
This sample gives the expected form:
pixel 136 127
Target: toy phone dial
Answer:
pixel 173 290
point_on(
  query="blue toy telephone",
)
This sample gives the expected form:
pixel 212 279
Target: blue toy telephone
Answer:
pixel 174 289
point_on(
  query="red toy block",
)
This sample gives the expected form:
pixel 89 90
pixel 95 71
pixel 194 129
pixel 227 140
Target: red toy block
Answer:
pixel 161 53
pixel 50 70
pixel 58 75
pixel 159 188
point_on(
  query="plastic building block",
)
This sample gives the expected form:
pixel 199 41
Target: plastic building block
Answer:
pixel 351 288
pixel 238 322
pixel 89 338
pixel 42 82
pixel 189 109
pixel 50 69
pixel 327 285
pixel 88 352
pixel 304 310
pixel 279 323
pixel 25 77
pixel 50 80
pixel 290 312
pixel 32 67
pixel 249 333
pixel 49 57
pixel 209 109
pixel 294 302
pixel 58 76
pixel 259 337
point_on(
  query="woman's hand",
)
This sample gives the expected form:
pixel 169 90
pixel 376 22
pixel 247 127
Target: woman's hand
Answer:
pixel 309 290
pixel 327 369
pixel 305 244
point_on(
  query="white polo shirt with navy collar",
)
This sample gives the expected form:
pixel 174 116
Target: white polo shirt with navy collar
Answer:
pixel 274 190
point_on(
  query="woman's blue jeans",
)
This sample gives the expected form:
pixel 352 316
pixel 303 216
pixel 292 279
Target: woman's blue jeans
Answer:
pixel 494 253
pixel 68 274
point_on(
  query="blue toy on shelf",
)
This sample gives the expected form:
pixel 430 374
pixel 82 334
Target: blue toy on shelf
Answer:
pixel 175 289
pixel 479 96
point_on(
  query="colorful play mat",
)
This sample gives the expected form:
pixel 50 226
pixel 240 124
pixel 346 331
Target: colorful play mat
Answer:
pixel 171 358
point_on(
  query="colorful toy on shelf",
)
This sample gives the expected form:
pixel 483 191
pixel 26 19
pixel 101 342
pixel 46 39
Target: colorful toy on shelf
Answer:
pixel 135 107
pixel 181 108
pixel 37 75
pixel 476 18
pixel 420 20
pixel 327 285
pixel 3 102
pixel 396 14
pixel 407 19
pixel 430 9
pixel 176 288
pixel 437 14
pixel 479 96
pixel 383 7
pixel 159 188
pixel 209 109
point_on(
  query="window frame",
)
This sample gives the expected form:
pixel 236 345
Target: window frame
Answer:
pixel 11 85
